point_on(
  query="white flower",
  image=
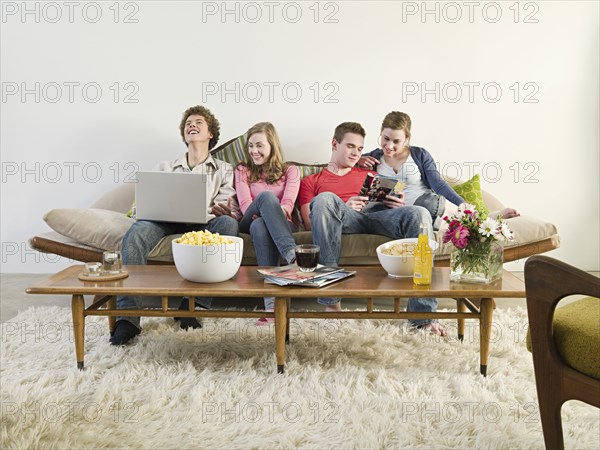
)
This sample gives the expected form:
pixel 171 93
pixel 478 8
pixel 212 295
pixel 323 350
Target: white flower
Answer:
pixel 464 206
pixel 489 227
pixel 460 214
pixel 506 232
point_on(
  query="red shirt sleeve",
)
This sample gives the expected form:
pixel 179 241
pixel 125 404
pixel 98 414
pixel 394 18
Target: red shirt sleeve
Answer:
pixel 307 189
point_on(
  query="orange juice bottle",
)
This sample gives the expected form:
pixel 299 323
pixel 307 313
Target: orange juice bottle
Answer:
pixel 423 257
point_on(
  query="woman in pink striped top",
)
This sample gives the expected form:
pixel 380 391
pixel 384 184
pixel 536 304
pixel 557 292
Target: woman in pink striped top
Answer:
pixel 267 188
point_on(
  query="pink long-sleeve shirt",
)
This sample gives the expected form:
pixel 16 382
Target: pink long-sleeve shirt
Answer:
pixel 286 189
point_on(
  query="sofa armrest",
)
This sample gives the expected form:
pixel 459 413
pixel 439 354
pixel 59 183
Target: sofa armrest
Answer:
pixel 491 202
pixel 56 244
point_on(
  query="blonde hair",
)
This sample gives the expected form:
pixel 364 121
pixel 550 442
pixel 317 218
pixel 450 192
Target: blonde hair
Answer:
pixel 274 168
pixel 397 120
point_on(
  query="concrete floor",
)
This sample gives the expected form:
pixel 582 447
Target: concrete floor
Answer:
pixel 14 299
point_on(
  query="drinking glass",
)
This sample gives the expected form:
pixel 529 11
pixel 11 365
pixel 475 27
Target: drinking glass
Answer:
pixel 307 257
pixel 111 262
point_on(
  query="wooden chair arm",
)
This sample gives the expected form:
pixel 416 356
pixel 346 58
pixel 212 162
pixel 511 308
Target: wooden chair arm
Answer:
pixel 547 281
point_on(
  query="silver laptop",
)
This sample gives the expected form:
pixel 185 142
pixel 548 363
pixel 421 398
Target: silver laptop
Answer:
pixel 172 197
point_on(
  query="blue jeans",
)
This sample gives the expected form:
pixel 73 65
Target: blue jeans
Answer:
pixel 143 236
pixel 330 217
pixel 434 203
pixel 271 233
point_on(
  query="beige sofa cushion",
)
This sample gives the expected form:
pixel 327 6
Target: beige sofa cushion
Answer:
pixel 357 249
pixel 99 228
pixel 360 248
pixel 104 229
pixel 117 199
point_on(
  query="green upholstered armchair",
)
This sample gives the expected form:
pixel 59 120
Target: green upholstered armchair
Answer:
pixel 565 342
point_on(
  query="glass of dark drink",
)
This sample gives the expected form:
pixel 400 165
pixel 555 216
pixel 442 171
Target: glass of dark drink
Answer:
pixel 307 257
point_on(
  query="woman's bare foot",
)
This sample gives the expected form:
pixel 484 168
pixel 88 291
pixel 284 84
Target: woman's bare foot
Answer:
pixel 506 213
pixel 336 307
pixel 435 328
pixel 264 321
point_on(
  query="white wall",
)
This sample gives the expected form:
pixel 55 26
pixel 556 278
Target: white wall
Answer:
pixel 539 151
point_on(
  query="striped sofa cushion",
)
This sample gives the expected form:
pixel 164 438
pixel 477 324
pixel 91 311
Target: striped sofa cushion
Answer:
pixel 233 152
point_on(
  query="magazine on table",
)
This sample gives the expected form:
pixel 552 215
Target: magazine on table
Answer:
pixel 377 187
pixel 292 276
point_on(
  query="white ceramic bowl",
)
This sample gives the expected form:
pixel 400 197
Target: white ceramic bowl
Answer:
pixel 208 263
pixel 400 266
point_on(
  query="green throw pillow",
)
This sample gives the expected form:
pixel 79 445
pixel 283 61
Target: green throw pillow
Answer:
pixel 471 192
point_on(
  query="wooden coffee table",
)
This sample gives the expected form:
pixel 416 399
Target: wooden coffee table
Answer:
pixel 369 283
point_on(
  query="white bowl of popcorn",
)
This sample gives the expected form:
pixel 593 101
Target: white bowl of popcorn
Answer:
pixel 398 257
pixel 204 257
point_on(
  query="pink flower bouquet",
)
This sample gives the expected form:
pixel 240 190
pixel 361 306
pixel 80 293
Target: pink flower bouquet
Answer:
pixel 478 252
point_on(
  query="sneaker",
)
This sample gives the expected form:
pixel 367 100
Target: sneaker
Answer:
pixel 124 332
pixel 185 323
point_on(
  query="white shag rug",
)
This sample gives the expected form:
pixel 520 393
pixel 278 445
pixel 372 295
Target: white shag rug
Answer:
pixel 348 384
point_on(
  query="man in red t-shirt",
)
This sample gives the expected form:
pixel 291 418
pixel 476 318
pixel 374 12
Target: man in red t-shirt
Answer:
pixel 330 206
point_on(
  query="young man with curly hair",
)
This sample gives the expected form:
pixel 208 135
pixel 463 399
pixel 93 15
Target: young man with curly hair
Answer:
pixel 200 132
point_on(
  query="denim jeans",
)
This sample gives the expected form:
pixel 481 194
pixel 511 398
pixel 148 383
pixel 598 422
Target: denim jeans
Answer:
pixel 271 233
pixel 432 202
pixel 330 217
pixel 143 236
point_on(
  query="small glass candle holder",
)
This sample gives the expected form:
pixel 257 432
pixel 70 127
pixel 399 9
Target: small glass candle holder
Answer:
pixel 111 262
pixel 92 269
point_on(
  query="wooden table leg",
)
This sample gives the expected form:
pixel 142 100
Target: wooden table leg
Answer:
pixel 77 307
pixel 287 322
pixel 485 331
pixel 280 331
pixel 112 320
pixel 461 308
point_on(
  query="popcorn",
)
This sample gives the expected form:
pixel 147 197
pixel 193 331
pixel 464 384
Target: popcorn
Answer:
pixel 203 238
pixel 405 249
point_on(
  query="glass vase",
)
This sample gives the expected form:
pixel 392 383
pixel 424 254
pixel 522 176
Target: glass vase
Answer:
pixel 481 263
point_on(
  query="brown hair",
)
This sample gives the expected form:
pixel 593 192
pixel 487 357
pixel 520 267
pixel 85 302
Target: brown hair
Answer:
pixel 274 168
pixel 348 127
pixel 397 120
pixel 213 124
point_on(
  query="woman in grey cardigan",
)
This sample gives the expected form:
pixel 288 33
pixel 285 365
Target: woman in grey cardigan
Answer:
pixel 423 184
